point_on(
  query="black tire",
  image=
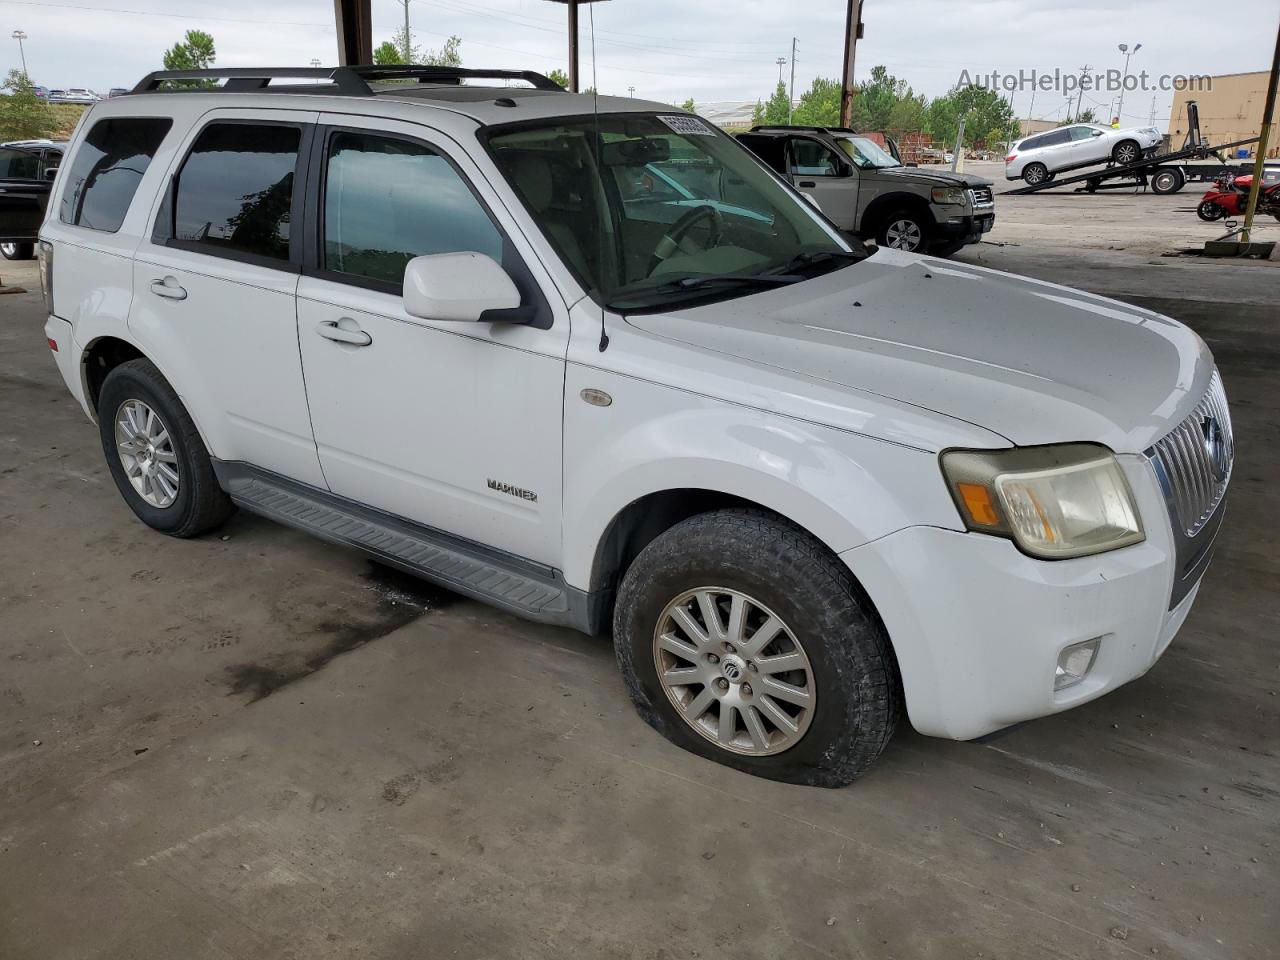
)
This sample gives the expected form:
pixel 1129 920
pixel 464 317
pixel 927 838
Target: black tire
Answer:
pixel 946 248
pixel 1167 180
pixel 17 251
pixel 200 504
pixel 1126 152
pixel 1208 211
pixel 917 224
pixel 855 676
pixel 1034 173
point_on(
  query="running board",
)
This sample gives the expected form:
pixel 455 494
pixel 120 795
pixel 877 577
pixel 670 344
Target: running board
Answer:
pixel 512 583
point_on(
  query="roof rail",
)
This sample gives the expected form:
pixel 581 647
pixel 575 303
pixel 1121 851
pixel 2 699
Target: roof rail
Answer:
pixel 797 126
pixel 349 81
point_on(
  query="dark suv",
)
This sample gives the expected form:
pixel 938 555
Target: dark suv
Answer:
pixel 26 174
pixel 864 189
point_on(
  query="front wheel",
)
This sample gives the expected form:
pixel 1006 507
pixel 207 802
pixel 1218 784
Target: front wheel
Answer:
pixel 905 230
pixel 1126 151
pixel 1209 211
pixel 743 640
pixel 17 251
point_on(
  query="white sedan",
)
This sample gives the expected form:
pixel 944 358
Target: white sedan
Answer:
pixel 1038 158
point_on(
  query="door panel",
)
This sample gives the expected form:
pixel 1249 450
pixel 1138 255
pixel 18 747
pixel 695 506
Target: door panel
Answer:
pixel 817 172
pixel 23 195
pixel 215 284
pixel 453 425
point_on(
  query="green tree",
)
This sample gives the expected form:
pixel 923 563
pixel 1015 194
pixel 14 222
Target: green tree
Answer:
pixel 819 106
pixel 387 54
pixel 774 111
pixel 23 115
pixel 987 116
pixel 194 52
pixel 560 77
pixel 447 56
pixel 1087 116
pixel 689 106
pixel 406 49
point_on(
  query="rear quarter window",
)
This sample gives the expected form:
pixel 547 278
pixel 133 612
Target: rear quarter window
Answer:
pixel 107 168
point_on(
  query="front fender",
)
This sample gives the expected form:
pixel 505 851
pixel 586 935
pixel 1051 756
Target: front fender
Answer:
pixel 844 488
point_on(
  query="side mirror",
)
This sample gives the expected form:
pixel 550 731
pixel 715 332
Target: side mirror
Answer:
pixel 462 287
pixel 1097 133
pixel 50 173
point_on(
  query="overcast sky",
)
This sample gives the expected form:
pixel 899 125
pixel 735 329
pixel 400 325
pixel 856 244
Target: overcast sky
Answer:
pixel 668 50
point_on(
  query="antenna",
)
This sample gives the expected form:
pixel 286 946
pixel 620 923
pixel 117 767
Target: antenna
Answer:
pixel 595 112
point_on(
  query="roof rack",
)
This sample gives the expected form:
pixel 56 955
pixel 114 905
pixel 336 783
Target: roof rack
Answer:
pixel 350 81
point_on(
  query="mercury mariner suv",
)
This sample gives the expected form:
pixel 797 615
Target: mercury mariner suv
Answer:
pixel 461 327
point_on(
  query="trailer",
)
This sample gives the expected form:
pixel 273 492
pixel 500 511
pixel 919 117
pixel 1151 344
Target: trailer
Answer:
pixel 1166 173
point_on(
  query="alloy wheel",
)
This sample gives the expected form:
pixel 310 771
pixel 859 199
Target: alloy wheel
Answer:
pixel 734 671
pixel 147 454
pixel 904 235
pixel 1126 153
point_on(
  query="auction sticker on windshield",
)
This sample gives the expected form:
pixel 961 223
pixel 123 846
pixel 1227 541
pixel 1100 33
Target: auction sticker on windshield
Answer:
pixel 690 126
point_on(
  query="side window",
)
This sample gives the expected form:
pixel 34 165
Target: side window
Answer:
pixel 812 159
pixel 1055 138
pixel 1031 144
pixel 772 150
pixel 234 194
pixel 387 201
pixel 107 169
pixel 1081 133
pixel 19 165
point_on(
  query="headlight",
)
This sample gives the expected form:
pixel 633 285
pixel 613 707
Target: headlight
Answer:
pixel 1053 502
pixel 955 195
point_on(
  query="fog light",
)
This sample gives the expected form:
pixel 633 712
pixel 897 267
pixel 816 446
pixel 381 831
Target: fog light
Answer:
pixel 1074 663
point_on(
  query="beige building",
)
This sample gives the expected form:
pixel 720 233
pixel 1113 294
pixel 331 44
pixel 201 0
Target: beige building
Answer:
pixel 1028 127
pixel 1232 110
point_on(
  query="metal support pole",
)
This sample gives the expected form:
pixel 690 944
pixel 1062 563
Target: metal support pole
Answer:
pixel 1268 120
pixel 852 34
pixel 573 46
pixel 355 31
pixel 791 92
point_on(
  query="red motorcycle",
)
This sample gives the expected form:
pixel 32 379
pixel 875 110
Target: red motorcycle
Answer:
pixel 1229 197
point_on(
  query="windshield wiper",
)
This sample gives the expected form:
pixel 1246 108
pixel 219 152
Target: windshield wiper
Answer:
pixel 709 282
pixel 801 260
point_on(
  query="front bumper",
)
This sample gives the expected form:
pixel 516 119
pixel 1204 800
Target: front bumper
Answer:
pixel 968 228
pixel 978 626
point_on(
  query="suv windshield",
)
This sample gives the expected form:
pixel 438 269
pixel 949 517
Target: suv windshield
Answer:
pixel 867 154
pixel 651 209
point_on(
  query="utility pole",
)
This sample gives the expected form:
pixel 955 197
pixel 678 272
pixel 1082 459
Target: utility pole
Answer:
pixel 21 35
pixel 1268 123
pixel 791 93
pixel 1151 120
pixel 781 62
pixel 852 34
pixel 1084 71
pixel 407 53
pixel 631 90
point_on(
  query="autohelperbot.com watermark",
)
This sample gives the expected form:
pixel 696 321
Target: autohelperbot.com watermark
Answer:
pixel 1068 82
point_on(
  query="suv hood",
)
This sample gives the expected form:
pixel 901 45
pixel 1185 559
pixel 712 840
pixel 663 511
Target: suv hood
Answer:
pixel 936 178
pixel 1031 361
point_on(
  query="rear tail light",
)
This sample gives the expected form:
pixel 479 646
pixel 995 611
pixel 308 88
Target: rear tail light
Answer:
pixel 1010 158
pixel 46 275
pixel 53 344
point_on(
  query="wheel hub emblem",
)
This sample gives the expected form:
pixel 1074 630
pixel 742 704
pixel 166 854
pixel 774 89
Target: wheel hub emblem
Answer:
pixel 1215 447
pixel 732 668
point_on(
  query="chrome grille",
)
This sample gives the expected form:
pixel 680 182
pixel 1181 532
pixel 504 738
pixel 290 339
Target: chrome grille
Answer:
pixel 981 196
pixel 1194 460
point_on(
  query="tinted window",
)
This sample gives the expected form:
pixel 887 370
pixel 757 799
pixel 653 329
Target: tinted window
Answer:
pixel 235 191
pixel 387 201
pixel 19 165
pixel 107 169
pixel 772 150
pixel 811 159
pixel 1055 138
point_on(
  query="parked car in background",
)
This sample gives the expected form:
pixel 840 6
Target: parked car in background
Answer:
pixel 73 95
pixel 1039 158
pixel 41 92
pixel 57 96
pixel 26 171
pixel 868 192
pixel 798 481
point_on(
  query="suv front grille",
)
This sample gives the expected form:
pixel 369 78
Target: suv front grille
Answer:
pixel 982 196
pixel 1194 460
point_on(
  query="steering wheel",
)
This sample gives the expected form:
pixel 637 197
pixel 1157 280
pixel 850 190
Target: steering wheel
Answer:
pixel 672 241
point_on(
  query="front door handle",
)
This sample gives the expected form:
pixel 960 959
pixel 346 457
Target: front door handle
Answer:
pixel 807 183
pixel 345 330
pixel 168 288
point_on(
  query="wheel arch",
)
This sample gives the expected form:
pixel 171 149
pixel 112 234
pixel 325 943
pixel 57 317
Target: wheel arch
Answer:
pixel 99 357
pixel 879 209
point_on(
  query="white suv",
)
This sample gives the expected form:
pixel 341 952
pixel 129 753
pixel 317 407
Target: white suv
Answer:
pixel 1043 156
pixel 459 327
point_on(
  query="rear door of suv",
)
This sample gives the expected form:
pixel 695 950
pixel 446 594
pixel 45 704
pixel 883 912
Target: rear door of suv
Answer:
pixel 214 286
pixel 24 192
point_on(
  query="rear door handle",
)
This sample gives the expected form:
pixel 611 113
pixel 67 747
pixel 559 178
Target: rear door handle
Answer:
pixel 168 288
pixel 345 330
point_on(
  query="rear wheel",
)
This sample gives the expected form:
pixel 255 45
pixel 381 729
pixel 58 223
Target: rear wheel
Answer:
pixel 745 641
pixel 1126 151
pixel 1035 173
pixel 905 230
pixel 17 251
pixel 1168 180
pixel 155 454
